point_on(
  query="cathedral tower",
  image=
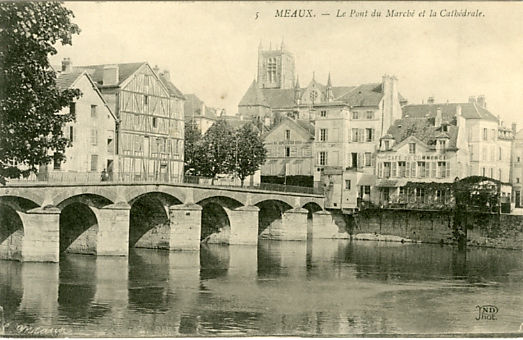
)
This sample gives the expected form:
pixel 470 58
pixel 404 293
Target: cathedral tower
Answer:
pixel 275 68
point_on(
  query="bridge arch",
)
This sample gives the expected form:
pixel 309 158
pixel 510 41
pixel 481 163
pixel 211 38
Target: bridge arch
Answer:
pixel 70 194
pixel 78 227
pixel 11 233
pixel 216 219
pixel 201 195
pixel 271 213
pixel 23 193
pixel 149 223
pixel 135 192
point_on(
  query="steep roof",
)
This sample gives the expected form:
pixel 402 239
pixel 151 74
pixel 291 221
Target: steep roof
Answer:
pixel 236 121
pixel 254 96
pixel 173 90
pixel 193 107
pixel 424 130
pixel 363 95
pixel 65 80
pixel 306 125
pixel 301 124
pixel 448 110
pixel 124 71
pixel 280 98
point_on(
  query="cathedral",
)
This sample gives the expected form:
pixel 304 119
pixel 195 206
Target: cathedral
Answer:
pixel 276 93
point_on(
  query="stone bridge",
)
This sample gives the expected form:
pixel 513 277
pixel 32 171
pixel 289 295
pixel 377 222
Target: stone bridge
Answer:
pixel 39 221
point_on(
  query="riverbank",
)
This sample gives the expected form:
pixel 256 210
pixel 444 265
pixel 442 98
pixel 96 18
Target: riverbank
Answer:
pixel 502 231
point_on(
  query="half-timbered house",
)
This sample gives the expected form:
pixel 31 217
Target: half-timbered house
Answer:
pixel 150 112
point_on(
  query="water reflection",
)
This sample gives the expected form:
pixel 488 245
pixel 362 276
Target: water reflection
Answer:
pixel 324 287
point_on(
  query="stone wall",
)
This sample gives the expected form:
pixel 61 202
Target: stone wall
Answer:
pixel 503 231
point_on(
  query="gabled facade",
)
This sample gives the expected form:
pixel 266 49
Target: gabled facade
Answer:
pixel 92 134
pixel 150 110
pixel 289 153
pixel 195 110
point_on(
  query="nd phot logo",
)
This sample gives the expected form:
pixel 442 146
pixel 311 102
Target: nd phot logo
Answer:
pixel 487 312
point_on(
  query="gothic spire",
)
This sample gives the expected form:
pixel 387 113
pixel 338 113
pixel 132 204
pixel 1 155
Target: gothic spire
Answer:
pixel 329 94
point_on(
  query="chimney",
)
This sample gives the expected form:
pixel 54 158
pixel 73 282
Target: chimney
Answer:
pixel 472 99
pixel 481 101
pixel 385 84
pixel 458 115
pixel 110 74
pixel 156 69
pixel 67 65
pixel 439 118
pixel 167 75
pixel 514 128
pixel 430 101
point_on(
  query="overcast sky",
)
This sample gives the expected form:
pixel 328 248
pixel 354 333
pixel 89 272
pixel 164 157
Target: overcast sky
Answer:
pixel 211 48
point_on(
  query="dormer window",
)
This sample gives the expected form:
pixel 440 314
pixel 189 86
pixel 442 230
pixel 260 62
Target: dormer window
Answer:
pixel 442 144
pixel 386 145
pixel 412 148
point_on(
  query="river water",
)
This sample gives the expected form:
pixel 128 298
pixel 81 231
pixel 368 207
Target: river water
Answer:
pixel 321 287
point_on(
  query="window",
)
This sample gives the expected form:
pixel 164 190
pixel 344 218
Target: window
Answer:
pixel 401 169
pixel 368 159
pixel 491 172
pixel 369 115
pixel 500 155
pixel 155 122
pixel 442 145
pixel 72 108
pixel 442 169
pixel 323 135
pixel 421 169
pixel 93 111
pixel 94 162
pixel 387 145
pixel 355 115
pixel 517 180
pixel 492 155
pixel 386 169
pixel 347 184
pixel 313 96
pixel 57 163
pixel 518 159
pixel 287 135
pixel 493 134
pixel 271 70
pixel 146 100
pixel 71 133
pixel 394 169
pixel 355 135
pixel 412 148
pixel 483 172
pixel 485 134
pixel 369 136
pixel 94 137
pixel 287 151
pixel 323 158
pixel 323 113
pixel 413 169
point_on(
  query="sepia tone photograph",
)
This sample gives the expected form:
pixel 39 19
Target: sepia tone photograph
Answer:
pixel 261 169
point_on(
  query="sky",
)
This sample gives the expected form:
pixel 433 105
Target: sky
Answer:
pixel 211 48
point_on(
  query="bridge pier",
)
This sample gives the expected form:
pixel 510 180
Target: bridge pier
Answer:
pixel 244 225
pixel 185 223
pixel 323 225
pixel 294 225
pixel 41 240
pixel 113 230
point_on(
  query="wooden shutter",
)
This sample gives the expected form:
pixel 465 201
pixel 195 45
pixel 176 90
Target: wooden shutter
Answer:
pixel 413 169
pixel 448 170
pixel 407 169
pixel 380 169
pixel 394 166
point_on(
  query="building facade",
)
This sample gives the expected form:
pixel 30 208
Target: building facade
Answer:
pixel 289 153
pixel 517 166
pixel 150 110
pixel 195 110
pixel 92 134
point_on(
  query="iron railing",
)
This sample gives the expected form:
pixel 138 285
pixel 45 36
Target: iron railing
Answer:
pixel 65 177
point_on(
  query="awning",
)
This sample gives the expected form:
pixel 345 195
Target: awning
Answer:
pixel 367 180
pixel 391 183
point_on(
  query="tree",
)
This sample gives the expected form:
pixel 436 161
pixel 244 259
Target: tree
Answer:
pixel 192 136
pixel 30 128
pixel 215 150
pixel 250 153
